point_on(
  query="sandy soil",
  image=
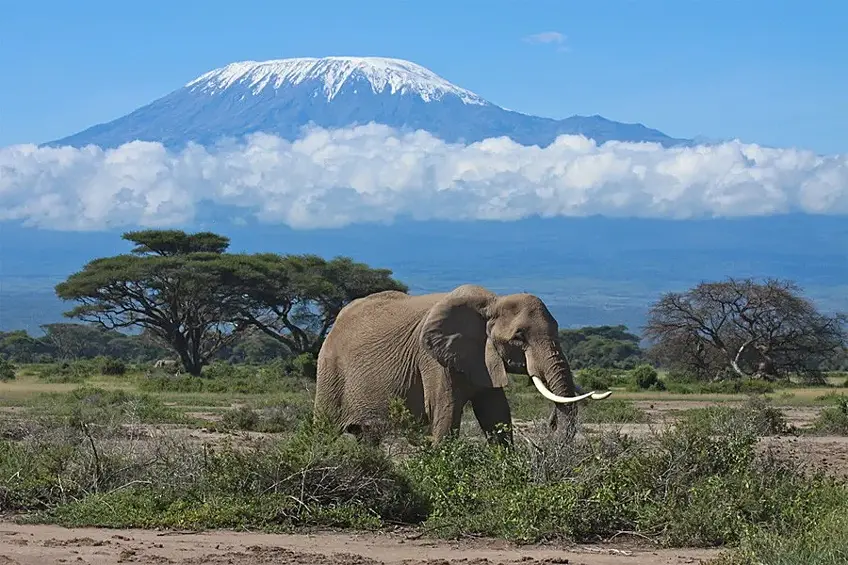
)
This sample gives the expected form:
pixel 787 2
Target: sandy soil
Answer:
pixel 824 453
pixel 51 545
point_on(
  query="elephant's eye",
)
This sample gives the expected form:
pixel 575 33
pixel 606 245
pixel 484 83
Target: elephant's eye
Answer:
pixel 518 336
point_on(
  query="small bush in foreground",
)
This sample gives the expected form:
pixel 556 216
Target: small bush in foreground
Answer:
pixel 310 478
pixel 690 488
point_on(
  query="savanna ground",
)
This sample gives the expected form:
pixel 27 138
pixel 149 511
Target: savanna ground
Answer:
pixel 148 468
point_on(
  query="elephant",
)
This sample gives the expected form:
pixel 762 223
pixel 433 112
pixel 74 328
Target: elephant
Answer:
pixel 162 363
pixel 437 352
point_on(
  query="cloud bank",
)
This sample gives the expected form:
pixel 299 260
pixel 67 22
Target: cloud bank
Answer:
pixel 332 178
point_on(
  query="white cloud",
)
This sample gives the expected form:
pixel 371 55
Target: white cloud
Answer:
pixel 331 178
pixel 546 37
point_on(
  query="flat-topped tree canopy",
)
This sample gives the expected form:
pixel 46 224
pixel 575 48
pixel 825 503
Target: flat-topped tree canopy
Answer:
pixel 175 242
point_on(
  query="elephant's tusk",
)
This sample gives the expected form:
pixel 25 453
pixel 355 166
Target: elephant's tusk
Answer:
pixel 562 399
pixel 595 395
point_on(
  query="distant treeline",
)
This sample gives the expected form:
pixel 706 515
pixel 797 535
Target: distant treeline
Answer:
pixel 591 346
pixel 71 341
pixel 196 302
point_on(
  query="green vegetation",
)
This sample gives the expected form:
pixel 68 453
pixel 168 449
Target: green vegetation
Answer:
pixel 684 384
pixel 81 457
pixel 833 420
pixel 189 295
pixel 609 347
pixel 94 432
pixel 756 414
pixel 698 483
pixel 824 542
pixel 7 370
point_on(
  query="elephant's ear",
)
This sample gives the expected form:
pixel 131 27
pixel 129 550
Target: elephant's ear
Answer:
pixel 454 333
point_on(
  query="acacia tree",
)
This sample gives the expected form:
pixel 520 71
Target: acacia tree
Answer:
pixel 171 284
pixel 295 298
pixel 755 329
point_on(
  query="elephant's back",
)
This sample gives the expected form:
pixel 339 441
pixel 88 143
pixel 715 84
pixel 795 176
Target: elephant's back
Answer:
pixel 382 309
pixel 371 355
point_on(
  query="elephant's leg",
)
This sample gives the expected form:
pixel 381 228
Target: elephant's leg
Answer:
pixel 493 413
pixel 446 418
pixel 443 399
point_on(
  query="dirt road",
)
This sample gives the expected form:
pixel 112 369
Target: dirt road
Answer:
pixel 51 545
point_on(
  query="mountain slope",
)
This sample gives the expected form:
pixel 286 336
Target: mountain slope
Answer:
pixel 282 96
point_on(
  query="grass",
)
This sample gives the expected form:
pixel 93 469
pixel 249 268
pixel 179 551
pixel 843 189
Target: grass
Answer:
pixel 73 453
pixel 682 487
pixel 833 420
pixel 825 542
pixel 310 478
pixel 756 414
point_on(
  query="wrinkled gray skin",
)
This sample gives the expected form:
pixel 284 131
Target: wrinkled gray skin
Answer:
pixel 438 352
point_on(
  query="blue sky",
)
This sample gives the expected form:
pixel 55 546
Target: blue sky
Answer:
pixel 772 72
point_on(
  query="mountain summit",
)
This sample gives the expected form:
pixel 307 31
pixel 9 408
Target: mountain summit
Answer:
pixel 333 74
pixel 282 96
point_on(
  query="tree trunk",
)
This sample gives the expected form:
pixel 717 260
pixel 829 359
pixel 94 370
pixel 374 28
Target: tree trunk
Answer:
pixel 734 361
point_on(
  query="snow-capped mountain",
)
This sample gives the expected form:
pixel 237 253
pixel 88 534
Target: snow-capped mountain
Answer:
pixel 400 77
pixel 282 96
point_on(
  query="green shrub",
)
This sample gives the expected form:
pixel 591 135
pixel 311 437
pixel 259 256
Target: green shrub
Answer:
pixel 645 376
pixel 93 405
pixel 612 411
pixel 832 397
pixel 226 370
pixel 679 384
pixel 824 542
pixel 594 378
pixel 692 488
pixel 222 377
pixel 312 478
pixel 76 371
pixel 240 418
pixel 111 366
pixel 833 420
pixel 305 365
pixel 757 416
pixel 277 417
pixel 7 370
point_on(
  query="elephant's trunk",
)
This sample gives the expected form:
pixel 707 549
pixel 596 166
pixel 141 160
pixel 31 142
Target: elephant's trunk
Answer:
pixel 552 376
